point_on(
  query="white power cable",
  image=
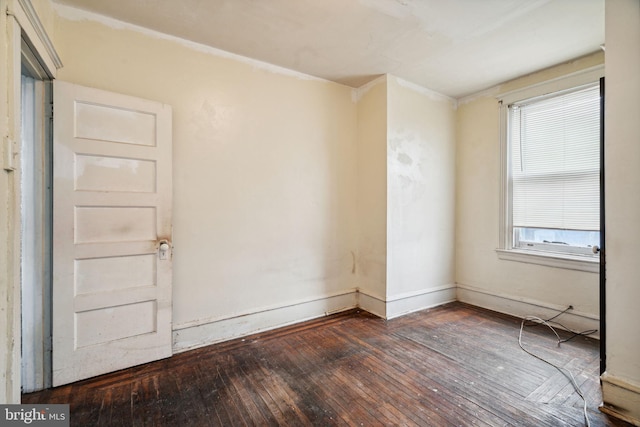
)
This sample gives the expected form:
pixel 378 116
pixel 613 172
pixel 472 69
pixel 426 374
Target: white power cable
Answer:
pixel 570 376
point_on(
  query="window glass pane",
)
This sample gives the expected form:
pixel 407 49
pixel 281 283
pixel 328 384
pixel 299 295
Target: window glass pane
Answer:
pixel 563 237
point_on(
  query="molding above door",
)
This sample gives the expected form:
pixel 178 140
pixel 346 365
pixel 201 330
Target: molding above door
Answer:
pixel 27 18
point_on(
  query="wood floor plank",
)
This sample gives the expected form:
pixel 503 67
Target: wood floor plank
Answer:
pixel 319 372
pixel 429 372
pixel 268 391
pixel 396 353
pixel 231 402
pixel 449 366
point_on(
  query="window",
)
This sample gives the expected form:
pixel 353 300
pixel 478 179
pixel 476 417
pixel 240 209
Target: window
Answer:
pixel 551 155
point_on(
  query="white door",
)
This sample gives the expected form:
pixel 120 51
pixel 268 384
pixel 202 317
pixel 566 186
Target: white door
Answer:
pixel 111 232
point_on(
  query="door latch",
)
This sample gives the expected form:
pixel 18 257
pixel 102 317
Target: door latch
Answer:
pixel 164 249
pixel 10 150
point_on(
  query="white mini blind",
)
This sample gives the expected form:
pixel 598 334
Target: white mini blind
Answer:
pixel 555 158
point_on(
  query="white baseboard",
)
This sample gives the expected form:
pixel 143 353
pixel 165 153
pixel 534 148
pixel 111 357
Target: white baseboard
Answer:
pixel 620 399
pixel 399 305
pixel 189 337
pixel 372 303
pixel 521 307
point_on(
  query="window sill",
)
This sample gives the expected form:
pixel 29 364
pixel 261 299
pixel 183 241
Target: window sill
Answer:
pixel 569 262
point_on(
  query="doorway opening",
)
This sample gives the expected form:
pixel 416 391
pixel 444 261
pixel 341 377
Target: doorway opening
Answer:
pixel 36 225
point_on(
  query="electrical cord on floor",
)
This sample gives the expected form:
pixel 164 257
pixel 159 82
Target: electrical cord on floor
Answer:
pixel 575 333
pixel 538 321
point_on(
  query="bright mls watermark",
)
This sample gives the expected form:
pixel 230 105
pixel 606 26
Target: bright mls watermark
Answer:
pixel 34 415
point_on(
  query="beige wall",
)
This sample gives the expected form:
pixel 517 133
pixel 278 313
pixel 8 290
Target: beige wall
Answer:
pixel 271 171
pixel 264 168
pixel 406 188
pixel 483 279
pixel 372 195
pixel 421 192
pixel 621 381
pixel 280 180
pixel 289 190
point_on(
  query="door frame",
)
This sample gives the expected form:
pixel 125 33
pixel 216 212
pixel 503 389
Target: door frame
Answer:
pixel 36 239
pixel 603 252
pixel 18 21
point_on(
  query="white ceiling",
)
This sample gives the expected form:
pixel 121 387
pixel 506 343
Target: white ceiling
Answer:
pixel 455 47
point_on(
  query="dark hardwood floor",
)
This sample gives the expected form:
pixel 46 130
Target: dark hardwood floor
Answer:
pixel 455 365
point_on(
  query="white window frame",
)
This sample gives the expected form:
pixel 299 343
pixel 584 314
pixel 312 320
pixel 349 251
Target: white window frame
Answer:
pixel 505 249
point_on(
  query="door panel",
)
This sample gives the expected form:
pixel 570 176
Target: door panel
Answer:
pixel 111 211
